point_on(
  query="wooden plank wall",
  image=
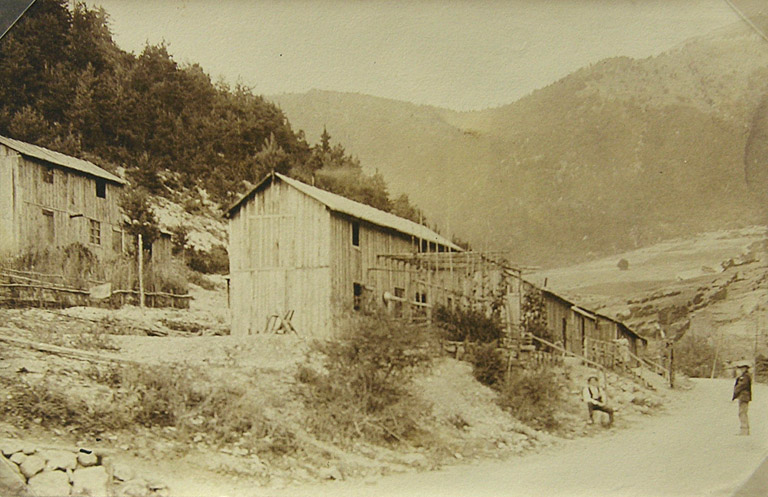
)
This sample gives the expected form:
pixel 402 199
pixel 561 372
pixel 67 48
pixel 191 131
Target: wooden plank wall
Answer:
pixel 350 264
pixel 8 232
pixel 279 261
pixel 72 200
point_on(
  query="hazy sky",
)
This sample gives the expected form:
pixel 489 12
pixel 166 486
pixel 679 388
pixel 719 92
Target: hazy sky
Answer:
pixel 460 55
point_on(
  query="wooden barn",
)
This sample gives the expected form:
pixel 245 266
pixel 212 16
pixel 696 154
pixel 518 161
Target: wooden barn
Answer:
pixel 301 251
pixel 48 199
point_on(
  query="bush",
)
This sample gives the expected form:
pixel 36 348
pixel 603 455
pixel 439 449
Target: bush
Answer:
pixel 533 396
pixel 623 265
pixel 358 386
pixel 460 325
pixel 695 355
pixel 214 261
pixel 75 263
pixel 488 364
pixel 169 278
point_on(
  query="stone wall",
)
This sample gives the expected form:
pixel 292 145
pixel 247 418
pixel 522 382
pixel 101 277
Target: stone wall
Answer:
pixel 27 469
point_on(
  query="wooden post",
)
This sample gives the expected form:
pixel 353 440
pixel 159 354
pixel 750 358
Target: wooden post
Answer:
pixel 140 255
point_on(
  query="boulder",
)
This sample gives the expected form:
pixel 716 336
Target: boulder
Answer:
pixel 19 457
pixel 90 481
pixel 32 465
pixel 12 482
pixel 28 449
pixel 59 459
pixel 121 472
pixel 50 483
pixel 87 460
pixel 11 447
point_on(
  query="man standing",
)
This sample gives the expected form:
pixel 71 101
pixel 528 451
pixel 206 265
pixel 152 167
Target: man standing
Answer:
pixel 595 397
pixel 742 390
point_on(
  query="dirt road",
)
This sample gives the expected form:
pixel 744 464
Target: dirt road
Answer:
pixel 691 450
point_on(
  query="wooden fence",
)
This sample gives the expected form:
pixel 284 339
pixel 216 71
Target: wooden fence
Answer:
pixel 30 289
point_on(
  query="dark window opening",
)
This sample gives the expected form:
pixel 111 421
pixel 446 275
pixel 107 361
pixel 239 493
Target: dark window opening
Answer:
pixel 49 225
pixel 48 175
pixel 355 234
pixel 424 246
pixel 358 291
pixel 101 188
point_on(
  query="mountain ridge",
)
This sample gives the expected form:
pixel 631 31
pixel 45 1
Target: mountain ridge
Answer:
pixel 622 153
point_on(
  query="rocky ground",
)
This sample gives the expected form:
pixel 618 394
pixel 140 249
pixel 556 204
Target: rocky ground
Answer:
pixel 243 383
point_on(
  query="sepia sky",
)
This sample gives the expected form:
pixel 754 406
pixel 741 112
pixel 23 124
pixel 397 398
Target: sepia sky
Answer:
pixel 457 54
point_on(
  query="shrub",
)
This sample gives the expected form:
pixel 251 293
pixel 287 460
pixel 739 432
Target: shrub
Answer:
pixel 469 325
pixel 695 355
pixel 488 365
pixel 214 261
pixel 75 263
pixel 533 396
pixel 358 388
pixel 623 265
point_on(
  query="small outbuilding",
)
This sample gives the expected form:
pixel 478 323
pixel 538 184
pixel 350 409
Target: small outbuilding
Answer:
pixel 48 199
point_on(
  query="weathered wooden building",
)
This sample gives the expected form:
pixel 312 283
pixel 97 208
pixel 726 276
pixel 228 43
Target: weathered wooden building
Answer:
pixel 48 199
pixel 298 249
pixel 575 326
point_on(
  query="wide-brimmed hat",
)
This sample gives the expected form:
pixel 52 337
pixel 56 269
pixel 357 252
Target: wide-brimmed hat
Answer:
pixel 742 364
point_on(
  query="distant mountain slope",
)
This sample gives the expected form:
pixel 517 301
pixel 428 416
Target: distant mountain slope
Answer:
pixel 614 156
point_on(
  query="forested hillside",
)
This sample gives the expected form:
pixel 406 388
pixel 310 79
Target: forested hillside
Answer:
pixel 65 85
pixel 615 156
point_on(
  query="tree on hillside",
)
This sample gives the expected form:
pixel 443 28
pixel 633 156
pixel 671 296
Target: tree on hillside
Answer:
pixel 271 158
pixel 64 84
pixel 135 205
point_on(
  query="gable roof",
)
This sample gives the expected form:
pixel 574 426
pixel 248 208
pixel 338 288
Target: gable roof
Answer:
pixel 59 159
pixel 343 205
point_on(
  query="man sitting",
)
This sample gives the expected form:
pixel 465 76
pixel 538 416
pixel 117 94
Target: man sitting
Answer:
pixel 595 397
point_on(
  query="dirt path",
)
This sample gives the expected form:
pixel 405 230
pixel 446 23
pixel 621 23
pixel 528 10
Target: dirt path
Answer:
pixel 691 450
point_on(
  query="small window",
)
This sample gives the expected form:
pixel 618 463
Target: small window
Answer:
pixel 358 291
pixel 49 227
pixel 355 234
pixel 95 232
pixel 48 175
pixel 101 188
pixel 117 241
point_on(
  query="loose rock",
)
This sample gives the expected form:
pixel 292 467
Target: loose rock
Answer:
pixel 59 459
pixel 87 459
pixel 90 481
pixel 50 483
pixel 19 457
pixel 10 447
pixel 32 465
pixel 122 472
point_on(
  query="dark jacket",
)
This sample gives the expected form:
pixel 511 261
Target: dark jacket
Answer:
pixel 742 390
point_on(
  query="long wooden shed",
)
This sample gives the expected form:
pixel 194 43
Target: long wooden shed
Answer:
pixel 296 248
pixel 49 199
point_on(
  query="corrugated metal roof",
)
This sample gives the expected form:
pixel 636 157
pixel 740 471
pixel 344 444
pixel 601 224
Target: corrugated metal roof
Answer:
pixel 337 203
pixel 60 159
